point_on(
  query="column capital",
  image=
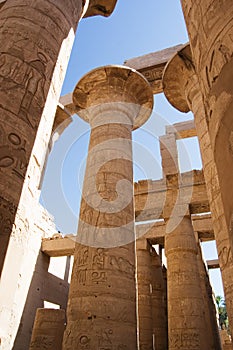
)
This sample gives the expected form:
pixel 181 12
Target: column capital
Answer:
pixel 120 87
pixel 100 7
pixel 177 74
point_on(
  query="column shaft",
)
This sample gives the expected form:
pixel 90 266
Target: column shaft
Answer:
pixel 48 329
pixel 186 323
pixel 103 292
pixel 32 38
pixel 183 90
pixel 102 300
pixel 144 288
pixel 214 192
pixel 36 38
pixel 210 28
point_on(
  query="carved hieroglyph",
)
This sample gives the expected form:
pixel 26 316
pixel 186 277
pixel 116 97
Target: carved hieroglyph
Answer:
pixel 102 301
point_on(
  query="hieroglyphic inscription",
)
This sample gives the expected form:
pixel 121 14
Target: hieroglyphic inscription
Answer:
pixel 7 214
pixel 26 79
pixel 104 340
pixel 13 152
pixel 42 342
pixel 84 343
pixel 186 340
pixel 121 264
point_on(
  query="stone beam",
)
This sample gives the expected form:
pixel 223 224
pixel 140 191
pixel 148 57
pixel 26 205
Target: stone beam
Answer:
pixel 153 232
pixel 150 196
pixel 213 264
pixel 100 7
pixel 152 66
pixel 182 130
pixel 58 246
pixel 203 225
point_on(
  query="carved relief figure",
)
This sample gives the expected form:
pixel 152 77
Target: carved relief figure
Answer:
pixel 98 259
pixel 27 77
pixel 34 81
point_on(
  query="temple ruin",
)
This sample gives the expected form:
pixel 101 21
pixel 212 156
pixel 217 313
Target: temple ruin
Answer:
pixel 110 282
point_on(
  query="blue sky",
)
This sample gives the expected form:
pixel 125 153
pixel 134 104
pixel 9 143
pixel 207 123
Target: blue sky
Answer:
pixel 132 30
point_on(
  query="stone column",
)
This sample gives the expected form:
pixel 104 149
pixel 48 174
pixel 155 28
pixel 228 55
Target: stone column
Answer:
pixel 210 29
pixel 48 329
pixel 182 89
pixel 33 36
pixel 102 300
pixel 209 307
pixel 159 307
pixel 186 323
pixel 144 289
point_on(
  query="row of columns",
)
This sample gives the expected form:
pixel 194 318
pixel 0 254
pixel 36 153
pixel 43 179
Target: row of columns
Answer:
pixel 175 310
pixel 102 301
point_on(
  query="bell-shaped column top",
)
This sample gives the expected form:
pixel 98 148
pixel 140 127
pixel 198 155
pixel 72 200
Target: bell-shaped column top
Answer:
pixel 175 77
pixel 114 85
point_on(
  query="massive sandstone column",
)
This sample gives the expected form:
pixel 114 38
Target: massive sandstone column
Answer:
pixel 102 300
pixel 182 89
pixel 35 41
pixel 186 322
pixel 210 29
pixel 48 329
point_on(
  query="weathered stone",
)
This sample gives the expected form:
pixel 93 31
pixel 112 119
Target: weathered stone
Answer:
pixel 180 74
pixel 144 285
pixel 186 322
pixel 48 329
pixel 102 300
pixel 210 29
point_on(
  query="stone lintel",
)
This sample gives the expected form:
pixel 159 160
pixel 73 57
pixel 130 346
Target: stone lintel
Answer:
pixel 152 66
pixel 182 130
pixel 213 264
pixel 100 8
pixel 203 225
pixel 152 232
pixel 150 197
pixel 62 118
pixel 60 246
